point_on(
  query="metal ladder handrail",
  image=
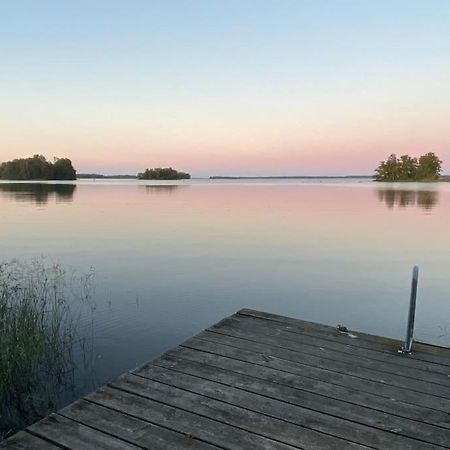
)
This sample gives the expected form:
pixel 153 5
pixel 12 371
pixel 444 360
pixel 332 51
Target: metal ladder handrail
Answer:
pixel 407 348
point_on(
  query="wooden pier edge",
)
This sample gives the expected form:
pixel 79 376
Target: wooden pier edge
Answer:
pixel 264 381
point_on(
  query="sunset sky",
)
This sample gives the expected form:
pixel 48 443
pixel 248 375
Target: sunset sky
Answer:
pixel 241 87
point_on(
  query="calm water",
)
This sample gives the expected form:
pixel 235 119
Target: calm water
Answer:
pixel 172 259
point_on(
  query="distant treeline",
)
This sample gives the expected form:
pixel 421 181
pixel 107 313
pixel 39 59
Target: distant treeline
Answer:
pixel 407 168
pixel 288 177
pixel 97 175
pixel 37 168
pixel 166 173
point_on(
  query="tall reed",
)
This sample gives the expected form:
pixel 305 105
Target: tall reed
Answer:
pixel 40 307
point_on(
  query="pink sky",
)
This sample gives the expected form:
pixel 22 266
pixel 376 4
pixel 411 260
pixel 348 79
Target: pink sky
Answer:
pixel 324 149
pixel 292 131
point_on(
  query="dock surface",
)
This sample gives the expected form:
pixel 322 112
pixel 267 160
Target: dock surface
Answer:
pixel 261 381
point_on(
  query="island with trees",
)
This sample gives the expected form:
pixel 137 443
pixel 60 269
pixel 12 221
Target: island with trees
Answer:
pixel 163 173
pixel 406 168
pixel 38 168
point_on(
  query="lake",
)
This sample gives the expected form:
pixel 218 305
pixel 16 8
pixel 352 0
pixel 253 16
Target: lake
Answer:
pixel 171 258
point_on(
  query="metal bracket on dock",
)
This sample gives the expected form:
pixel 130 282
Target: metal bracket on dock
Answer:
pixel 412 313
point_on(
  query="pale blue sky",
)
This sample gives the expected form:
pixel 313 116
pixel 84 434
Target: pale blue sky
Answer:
pixel 225 86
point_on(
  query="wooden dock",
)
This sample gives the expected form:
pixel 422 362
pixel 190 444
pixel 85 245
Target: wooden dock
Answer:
pixel 262 381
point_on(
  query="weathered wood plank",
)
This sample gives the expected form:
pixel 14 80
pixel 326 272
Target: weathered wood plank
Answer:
pixel 393 362
pixel 246 363
pixel 297 415
pixel 26 441
pixel 131 429
pixel 330 360
pixel 334 368
pixel 253 352
pixel 183 421
pixel 424 352
pixel 260 424
pixel 75 436
pixel 337 408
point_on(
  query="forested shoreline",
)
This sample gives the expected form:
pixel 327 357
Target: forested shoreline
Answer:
pixel 406 168
pixel 163 173
pixel 38 168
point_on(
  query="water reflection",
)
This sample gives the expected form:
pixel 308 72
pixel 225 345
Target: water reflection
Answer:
pixel 196 253
pixel 403 198
pixel 39 193
pixel 161 188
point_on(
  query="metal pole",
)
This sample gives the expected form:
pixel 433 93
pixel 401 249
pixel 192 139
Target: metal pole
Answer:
pixel 412 312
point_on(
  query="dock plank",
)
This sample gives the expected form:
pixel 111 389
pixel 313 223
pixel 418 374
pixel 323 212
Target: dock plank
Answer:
pixel 227 413
pixel 393 362
pixel 288 412
pixel 424 352
pixel 313 367
pixel 24 440
pixel 260 380
pixel 350 363
pixel 131 429
pixel 246 362
pixel 71 434
pixel 181 420
pixel 316 402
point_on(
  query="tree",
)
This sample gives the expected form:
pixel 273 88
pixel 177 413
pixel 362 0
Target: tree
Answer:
pixel 407 168
pixel 388 170
pixel 429 167
pixel 37 168
pixel 63 169
pixel 166 173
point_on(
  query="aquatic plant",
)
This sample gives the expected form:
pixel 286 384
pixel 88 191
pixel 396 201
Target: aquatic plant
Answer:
pixel 40 311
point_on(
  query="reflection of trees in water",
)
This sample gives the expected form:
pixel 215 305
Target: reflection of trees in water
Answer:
pixel 161 188
pixel 406 197
pixel 38 192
